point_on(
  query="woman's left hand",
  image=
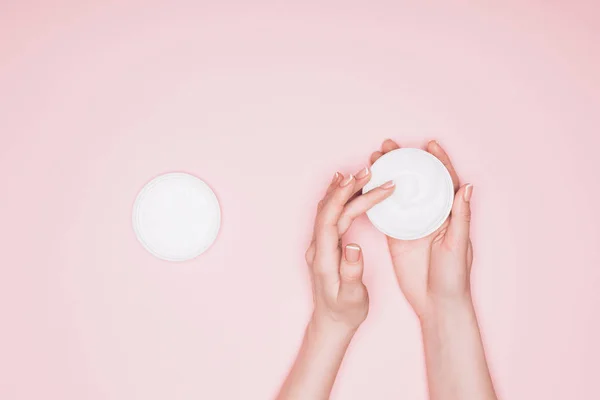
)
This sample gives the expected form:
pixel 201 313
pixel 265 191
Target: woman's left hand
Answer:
pixel 340 297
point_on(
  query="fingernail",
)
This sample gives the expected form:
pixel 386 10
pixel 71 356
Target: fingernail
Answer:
pixel 352 253
pixel 363 172
pixel 435 143
pixel 388 185
pixel 335 177
pixel 347 180
pixel 468 192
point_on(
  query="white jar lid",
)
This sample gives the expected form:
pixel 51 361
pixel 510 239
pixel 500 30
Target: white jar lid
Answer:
pixel 176 216
pixel 422 198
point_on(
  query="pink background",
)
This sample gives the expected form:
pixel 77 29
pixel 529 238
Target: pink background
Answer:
pixel 264 102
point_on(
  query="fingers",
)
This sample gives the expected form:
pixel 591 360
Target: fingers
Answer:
pixel 386 146
pixel 470 254
pixel 362 204
pixel 310 252
pixel 434 148
pixel 362 177
pixel 334 182
pixel 460 220
pixel 351 272
pixel 389 145
pixel 334 205
pixel 344 190
pixel 375 156
pixel 327 252
pixel 360 180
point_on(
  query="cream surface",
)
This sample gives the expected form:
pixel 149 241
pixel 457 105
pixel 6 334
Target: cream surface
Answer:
pixel 423 196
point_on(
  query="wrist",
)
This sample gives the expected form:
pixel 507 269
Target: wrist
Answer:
pixel 322 328
pixel 447 309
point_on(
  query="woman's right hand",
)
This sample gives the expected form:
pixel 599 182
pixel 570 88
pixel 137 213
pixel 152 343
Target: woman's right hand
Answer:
pixel 437 267
pixel 434 275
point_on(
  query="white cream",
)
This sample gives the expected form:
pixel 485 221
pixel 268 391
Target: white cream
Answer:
pixel 422 198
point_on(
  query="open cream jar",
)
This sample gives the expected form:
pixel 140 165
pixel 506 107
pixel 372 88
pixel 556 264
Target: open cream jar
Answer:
pixel 423 196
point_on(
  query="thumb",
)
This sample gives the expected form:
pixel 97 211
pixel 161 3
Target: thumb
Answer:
pixel 460 221
pixel 351 272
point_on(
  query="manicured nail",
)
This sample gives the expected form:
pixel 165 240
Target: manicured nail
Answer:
pixel 352 253
pixel 363 172
pixel 347 180
pixel 335 177
pixel 388 185
pixel 468 192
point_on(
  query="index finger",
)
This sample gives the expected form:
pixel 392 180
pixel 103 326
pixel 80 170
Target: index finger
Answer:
pixel 362 204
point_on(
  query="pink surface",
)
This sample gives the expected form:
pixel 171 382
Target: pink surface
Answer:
pixel 265 102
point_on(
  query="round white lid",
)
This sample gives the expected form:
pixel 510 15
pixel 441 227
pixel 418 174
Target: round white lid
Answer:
pixel 176 216
pixel 422 198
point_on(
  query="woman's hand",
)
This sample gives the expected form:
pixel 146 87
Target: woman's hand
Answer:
pixel 340 297
pixel 437 267
pixel 434 275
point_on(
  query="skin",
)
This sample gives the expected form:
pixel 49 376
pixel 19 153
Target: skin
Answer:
pixel 432 272
pixel 434 275
pixel 340 298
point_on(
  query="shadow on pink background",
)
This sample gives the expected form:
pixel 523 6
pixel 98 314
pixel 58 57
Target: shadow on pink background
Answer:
pixel 265 102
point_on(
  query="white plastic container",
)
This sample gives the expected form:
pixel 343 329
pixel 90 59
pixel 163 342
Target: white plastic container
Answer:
pixel 176 216
pixel 422 198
